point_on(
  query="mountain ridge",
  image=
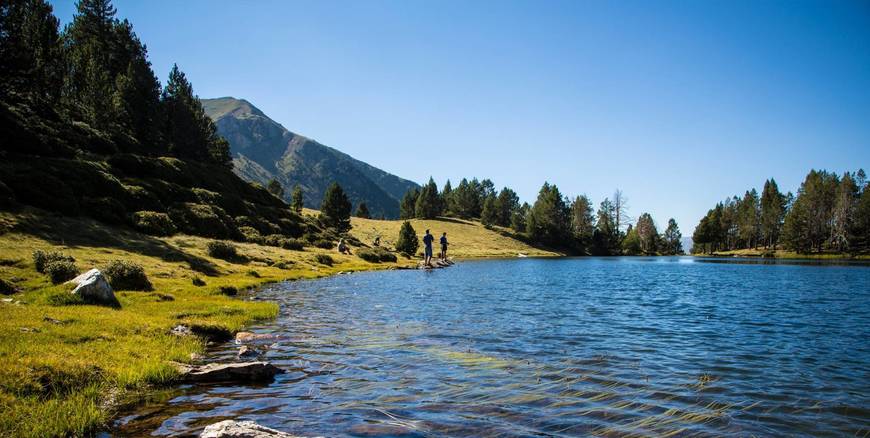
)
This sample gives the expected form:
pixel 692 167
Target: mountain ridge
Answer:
pixel 263 149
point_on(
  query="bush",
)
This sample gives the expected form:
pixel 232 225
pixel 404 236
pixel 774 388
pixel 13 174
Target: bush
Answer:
pixel 283 242
pixel 202 220
pixel 7 288
pixel 251 235
pixel 324 244
pixel 104 209
pixel 125 275
pixel 408 242
pixel 376 255
pixel 197 281
pixel 229 291
pixel 153 223
pixel 222 250
pixel 61 270
pixel 324 259
pixel 41 259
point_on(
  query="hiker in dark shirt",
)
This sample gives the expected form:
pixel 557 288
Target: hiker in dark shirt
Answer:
pixel 427 252
pixel 443 255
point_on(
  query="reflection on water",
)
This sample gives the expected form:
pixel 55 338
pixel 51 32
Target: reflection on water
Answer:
pixel 566 347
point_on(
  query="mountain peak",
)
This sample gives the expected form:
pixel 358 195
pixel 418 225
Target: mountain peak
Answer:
pixel 262 149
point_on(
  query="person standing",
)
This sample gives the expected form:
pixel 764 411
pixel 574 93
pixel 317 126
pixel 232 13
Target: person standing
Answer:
pixel 444 247
pixel 427 252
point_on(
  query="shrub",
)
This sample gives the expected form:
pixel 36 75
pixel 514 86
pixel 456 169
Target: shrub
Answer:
pixel 61 270
pixel 7 288
pixel 253 273
pixel 41 259
pixel 324 244
pixel 376 255
pixel 125 275
pixel 324 259
pixel 283 242
pixel 202 220
pixel 104 209
pixel 284 264
pixel 407 242
pixel 222 250
pixel 229 291
pixel 251 235
pixel 197 281
pixel 153 223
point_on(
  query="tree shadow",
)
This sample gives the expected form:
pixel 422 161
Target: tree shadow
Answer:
pixel 83 232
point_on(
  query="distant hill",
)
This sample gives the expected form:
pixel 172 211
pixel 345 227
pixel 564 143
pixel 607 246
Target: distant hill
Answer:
pixel 262 149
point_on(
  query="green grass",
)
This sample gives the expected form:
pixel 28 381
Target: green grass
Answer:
pixel 784 254
pixel 64 362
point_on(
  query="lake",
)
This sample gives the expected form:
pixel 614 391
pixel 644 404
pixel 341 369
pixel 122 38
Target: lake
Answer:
pixel 555 347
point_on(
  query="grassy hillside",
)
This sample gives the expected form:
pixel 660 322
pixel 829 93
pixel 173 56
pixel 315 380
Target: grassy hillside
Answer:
pixel 468 239
pixel 784 254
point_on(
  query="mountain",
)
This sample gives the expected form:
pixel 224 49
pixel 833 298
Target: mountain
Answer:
pixel 262 149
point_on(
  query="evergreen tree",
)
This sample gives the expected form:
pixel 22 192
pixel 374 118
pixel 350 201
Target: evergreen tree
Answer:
pixel 274 187
pixel 408 206
pixel 297 199
pixel 190 132
pixel 772 213
pixel 631 245
pixel 518 218
pixel 335 208
pixel 606 237
pixel 582 223
pixel 748 220
pixel 506 203
pixel 30 50
pixel 549 217
pixel 362 210
pixel 407 242
pixel 859 227
pixel 136 97
pixel 843 213
pixel 465 201
pixel 647 234
pixel 672 239
pixel 489 215
pixel 702 236
pixel 446 199
pixel 428 205
pixel 808 223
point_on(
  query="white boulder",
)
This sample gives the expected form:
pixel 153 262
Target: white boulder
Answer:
pixel 93 287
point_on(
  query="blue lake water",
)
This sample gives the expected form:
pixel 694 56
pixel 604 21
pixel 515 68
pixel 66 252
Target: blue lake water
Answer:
pixel 555 347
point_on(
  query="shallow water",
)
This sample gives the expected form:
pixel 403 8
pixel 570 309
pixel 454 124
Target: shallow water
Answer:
pixel 555 347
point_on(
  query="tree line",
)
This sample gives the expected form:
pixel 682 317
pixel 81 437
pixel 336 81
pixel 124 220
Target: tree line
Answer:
pixel 829 213
pixel 95 71
pixel 553 220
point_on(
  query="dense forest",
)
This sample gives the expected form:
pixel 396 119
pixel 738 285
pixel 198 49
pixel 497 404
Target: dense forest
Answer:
pixel 87 129
pixel 552 220
pixel 829 214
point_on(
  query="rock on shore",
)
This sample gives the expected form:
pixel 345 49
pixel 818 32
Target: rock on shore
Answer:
pixel 93 287
pixel 242 429
pixel 228 372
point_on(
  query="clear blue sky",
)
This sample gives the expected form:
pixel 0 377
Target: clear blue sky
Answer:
pixel 679 104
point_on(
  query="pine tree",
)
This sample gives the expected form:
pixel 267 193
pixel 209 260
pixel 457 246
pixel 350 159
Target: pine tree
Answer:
pixel 274 187
pixel 843 213
pixel 647 233
pixel 362 210
pixel 447 199
pixel 518 218
pixel 672 239
pixel 136 98
pixel 335 208
pixel 428 205
pixel 606 237
pixel 506 203
pixel 748 219
pixel 407 242
pixel 631 245
pixel 548 221
pixel 408 206
pixel 859 228
pixel 582 223
pixel 772 213
pixel 30 50
pixel 808 223
pixel 489 214
pixel 465 199
pixel 190 132
pixel 297 199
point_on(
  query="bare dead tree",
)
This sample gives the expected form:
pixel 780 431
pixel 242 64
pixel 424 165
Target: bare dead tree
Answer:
pixel 620 205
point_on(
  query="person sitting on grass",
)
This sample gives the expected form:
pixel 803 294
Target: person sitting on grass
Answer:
pixel 443 255
pixel 343 247
pixel 427 252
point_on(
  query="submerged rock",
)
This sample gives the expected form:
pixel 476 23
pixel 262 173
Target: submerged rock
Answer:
pixel 229 372
pixel 93 287
pixel 241 429
pixel 247 352
pixel 242 337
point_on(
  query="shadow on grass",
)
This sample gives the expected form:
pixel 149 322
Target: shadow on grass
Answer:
pixel 82 232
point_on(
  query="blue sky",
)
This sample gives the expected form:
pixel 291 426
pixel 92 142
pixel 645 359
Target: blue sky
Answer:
pixel 676 103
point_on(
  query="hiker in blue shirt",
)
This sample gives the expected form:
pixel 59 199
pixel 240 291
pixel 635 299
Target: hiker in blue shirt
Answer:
pixel 444 247
pixel 427 252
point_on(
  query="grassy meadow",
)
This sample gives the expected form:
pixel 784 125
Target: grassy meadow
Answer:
pixel 66 364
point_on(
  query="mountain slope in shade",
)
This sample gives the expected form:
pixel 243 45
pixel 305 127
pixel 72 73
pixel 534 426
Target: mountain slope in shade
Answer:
pixel 262 149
